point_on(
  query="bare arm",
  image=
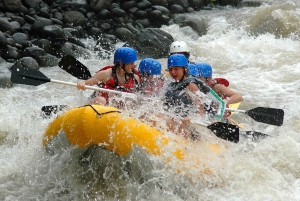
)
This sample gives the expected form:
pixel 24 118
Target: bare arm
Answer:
pixel 234 97
pixel 196 96
pixel 102 76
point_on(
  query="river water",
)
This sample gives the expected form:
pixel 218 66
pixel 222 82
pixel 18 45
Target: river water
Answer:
pixel 256 48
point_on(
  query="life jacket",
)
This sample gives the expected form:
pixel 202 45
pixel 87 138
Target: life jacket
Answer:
pixel 176 96
pixel 131 85
pixel 224 82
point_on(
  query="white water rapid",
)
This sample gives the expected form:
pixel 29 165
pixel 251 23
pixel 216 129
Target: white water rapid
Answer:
pixel 256 48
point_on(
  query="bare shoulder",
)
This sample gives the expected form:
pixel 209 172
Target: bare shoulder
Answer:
pixel 104 75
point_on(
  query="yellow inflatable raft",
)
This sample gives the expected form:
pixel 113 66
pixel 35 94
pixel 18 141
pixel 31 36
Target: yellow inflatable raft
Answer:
pixel 107 127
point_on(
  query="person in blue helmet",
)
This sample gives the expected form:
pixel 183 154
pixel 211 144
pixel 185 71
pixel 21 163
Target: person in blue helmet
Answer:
pixel 185 96
pixel 121 76
pixel 152 81
pixel 203 71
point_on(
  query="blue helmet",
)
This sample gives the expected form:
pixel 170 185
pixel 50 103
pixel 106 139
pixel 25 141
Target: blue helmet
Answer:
pixel 150 66
pixel 177 60
pixel 205 70
pixel 193 70
pixel 125 55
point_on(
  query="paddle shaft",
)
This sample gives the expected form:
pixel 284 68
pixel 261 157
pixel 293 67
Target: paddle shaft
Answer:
pixel 46 79
pixel 236 110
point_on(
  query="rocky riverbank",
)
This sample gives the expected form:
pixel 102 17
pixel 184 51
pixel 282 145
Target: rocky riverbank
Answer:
pixel 37 33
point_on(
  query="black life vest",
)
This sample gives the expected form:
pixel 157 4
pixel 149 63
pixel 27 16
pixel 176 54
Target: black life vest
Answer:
pixel 175 95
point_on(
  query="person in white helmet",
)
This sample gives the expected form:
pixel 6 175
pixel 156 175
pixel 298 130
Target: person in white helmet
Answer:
pixel 180 47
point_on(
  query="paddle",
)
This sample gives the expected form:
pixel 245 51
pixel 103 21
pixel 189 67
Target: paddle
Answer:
pixel 222 130
pixel 74 67
pixel 272 116
pixel 22 75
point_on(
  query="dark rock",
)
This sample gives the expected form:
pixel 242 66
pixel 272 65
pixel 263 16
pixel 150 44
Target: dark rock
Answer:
pixel 152 42
pixel 11 42
pixel 15 25
pixel 73 50
pixel 94 31
pixel 90 15
pixel 5 26
pixel 105 26
pixel 3 40
pixel 47 60
pixel 164 3
pixel 133 10
pixel 229 2
pixel 155 15
pixel 101 4
pixel 26 28
pixel 75 18
pixel 143 22
pixel 53 31
pixel 20 37
pixel 114 5
pixel 40 23
pixel 104 14
pixel 34 52
pixel 29 19
pixel 58 16
pixel 117 12
pixel 18 19
pixel 128 4
pixel 183 3
pixel 12 5
pixel 11 53
pixel 175 8
pixel 123 33
pixel 28 62
pixel 32 4
pixel 140 14
pixel 132 28
pixel 76 41
pixel 162 9
pixel 71 32
pixel 45 12
pixel 46 45
pixel 197 4
pixel 144 5
pixel 56 21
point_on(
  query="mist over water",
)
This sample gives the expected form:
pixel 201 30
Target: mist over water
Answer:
pixel 256 48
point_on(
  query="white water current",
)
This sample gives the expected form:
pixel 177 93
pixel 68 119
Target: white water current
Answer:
pixel 256 48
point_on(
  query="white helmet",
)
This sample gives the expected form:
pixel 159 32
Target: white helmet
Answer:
pixel 179 46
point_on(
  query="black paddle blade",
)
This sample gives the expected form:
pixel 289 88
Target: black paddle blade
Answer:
pixel 48 110
pixel 74 67
pixel 22 75
pixel 270 116
pixel 225 131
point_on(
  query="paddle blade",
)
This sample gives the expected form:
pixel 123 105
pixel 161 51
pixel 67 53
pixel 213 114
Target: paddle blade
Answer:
pixel 270 116
pixel 74 67
pixel 22 75
pixel 225 131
